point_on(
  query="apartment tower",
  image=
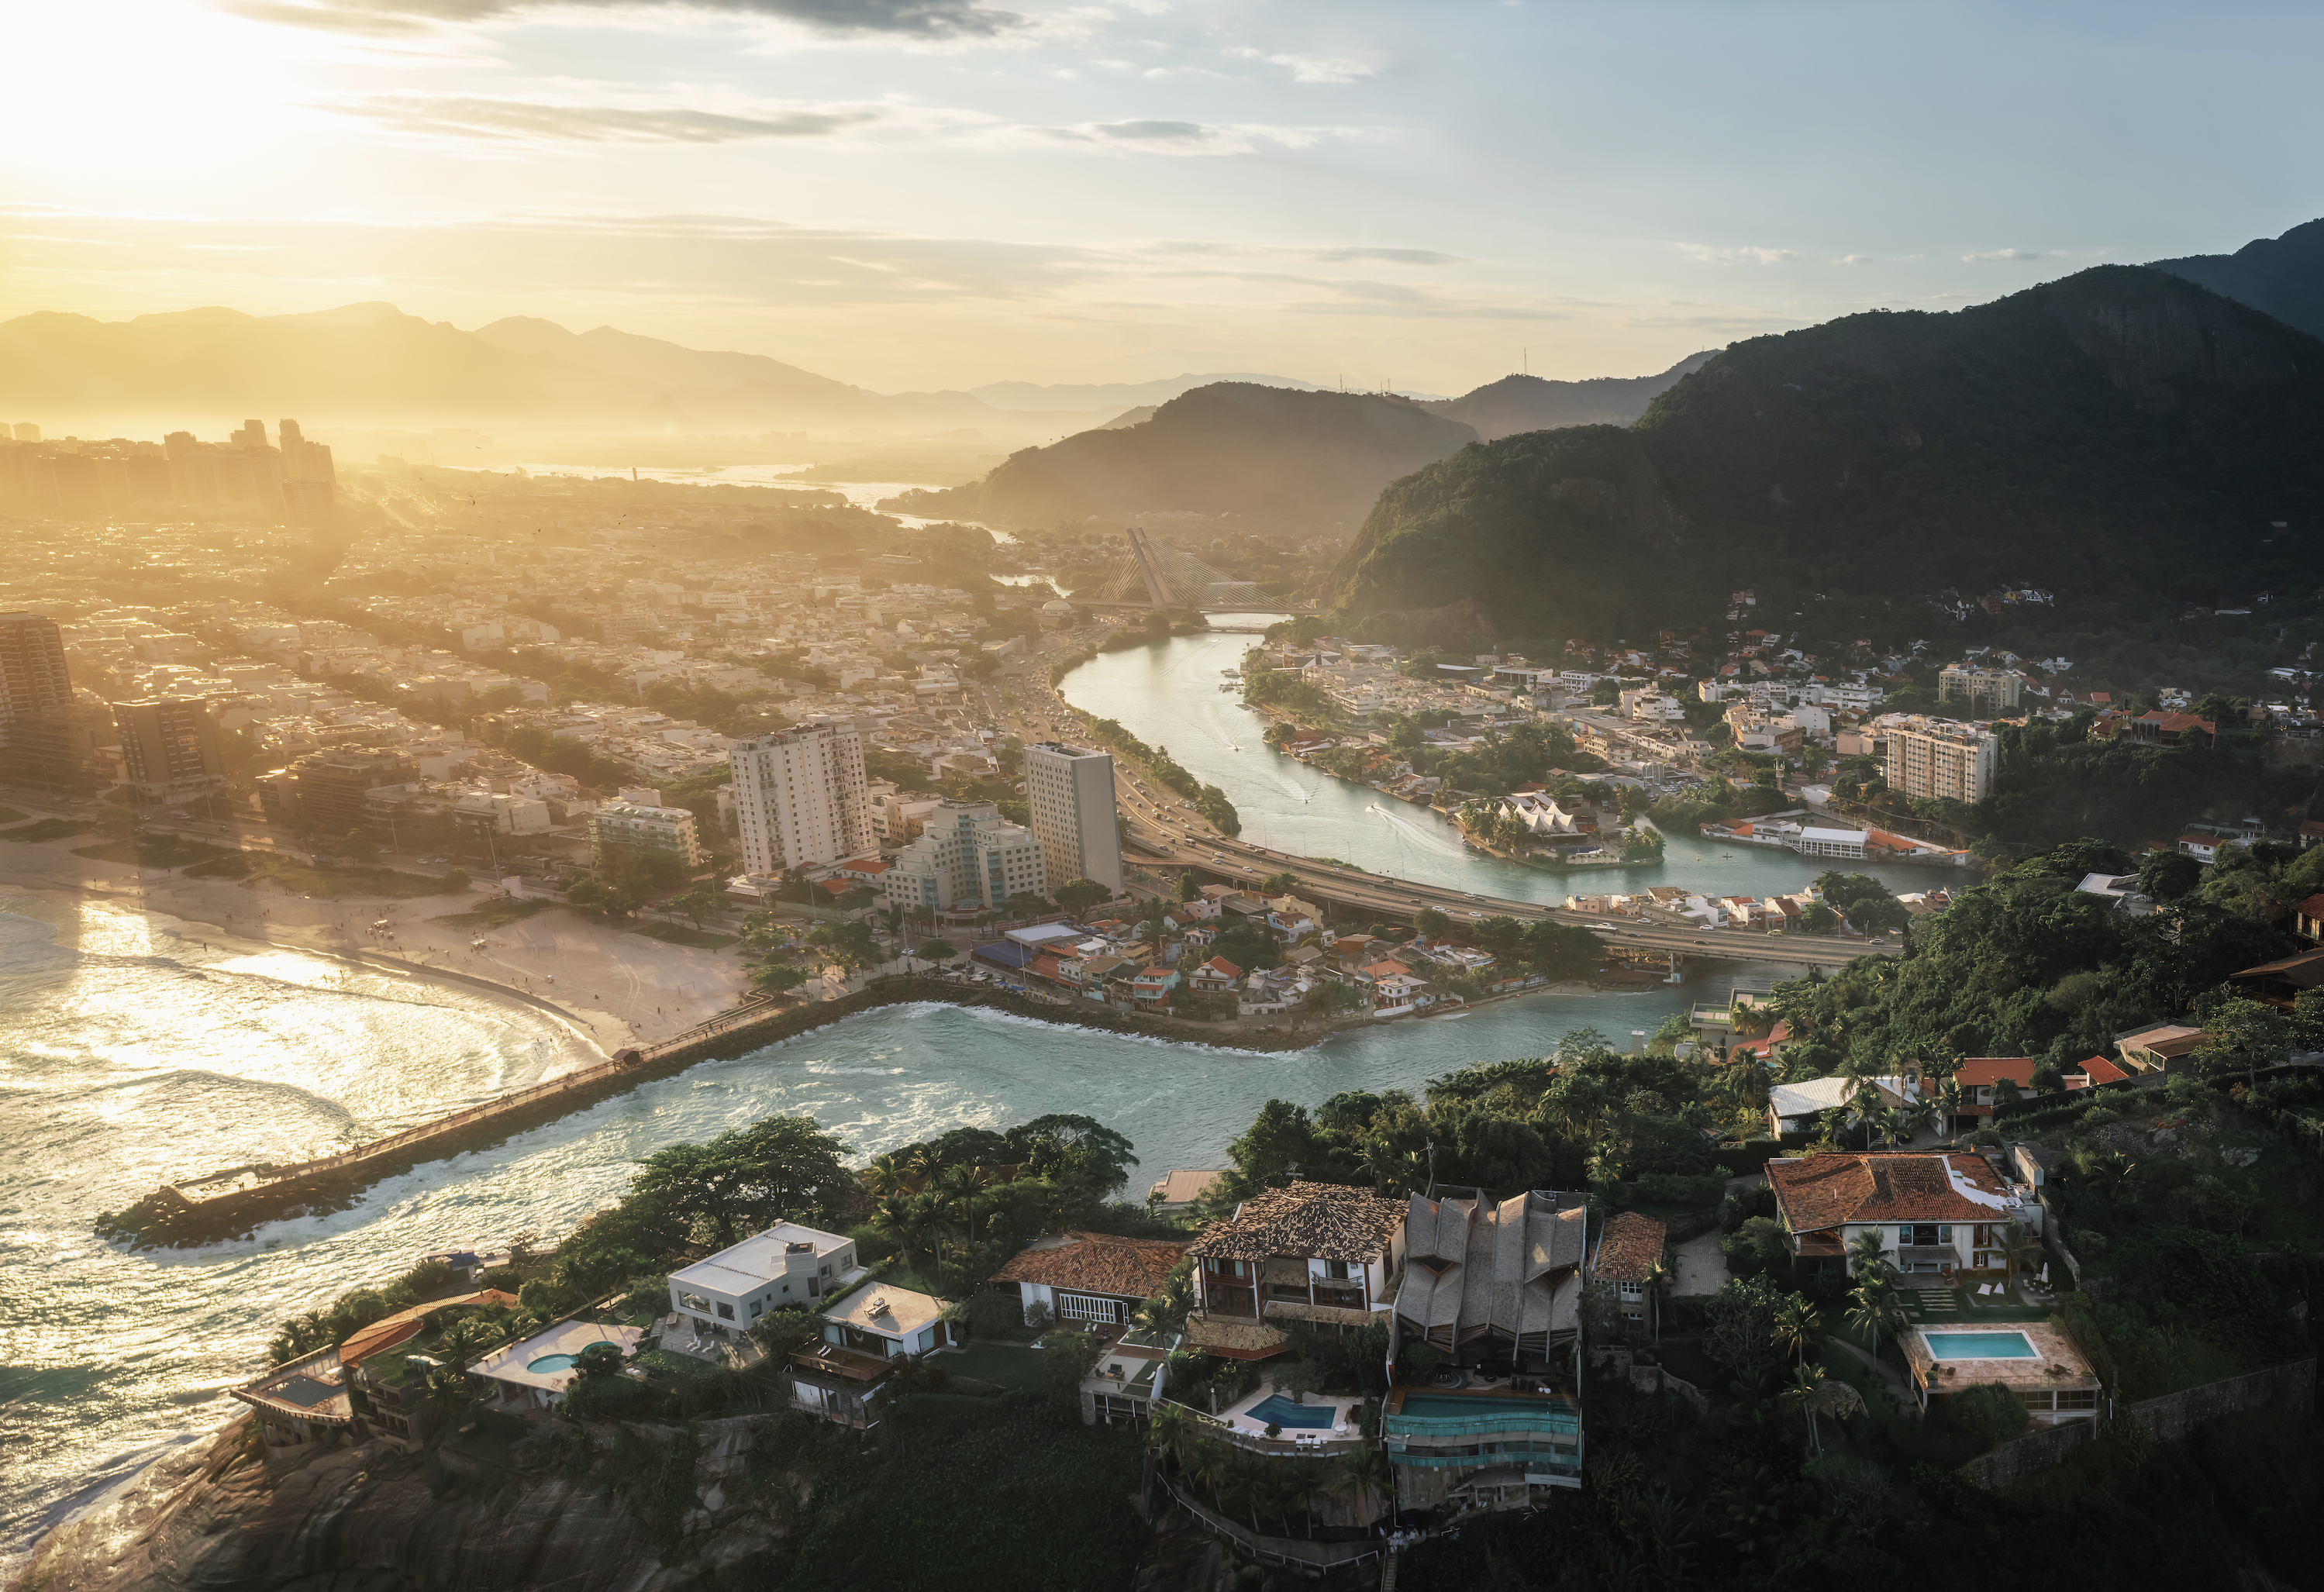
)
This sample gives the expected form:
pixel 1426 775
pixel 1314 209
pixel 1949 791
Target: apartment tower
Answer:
pixel 801 799
pixel 1069 790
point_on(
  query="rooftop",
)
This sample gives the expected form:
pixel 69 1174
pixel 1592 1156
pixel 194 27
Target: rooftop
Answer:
pixel 1096 1263
pixel 1817 1191
pixel 561 1344
pixel 885 1310
pixel 1324 1221
pixel 756 1261
pixel 1629 1246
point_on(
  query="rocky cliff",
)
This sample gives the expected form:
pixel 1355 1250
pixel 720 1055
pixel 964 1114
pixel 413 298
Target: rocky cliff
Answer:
pixel 362 1518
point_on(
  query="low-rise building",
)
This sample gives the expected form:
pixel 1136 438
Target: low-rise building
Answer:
pixel 1323 1253
pixel 1088 1279
pixel 788 1267
pixel 1629 1250
pixel 632 829
pixel 1939 1213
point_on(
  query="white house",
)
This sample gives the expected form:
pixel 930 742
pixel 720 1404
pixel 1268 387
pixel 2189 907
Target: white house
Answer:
pixel 1939 1213
pixel 788 1266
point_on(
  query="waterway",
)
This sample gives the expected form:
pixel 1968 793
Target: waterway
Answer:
pixel 134 1049
pixel 1167 694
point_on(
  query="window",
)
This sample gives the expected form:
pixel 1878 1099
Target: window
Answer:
pixel 1633 1289
pixel 1337 1270
pixel 726 1310
pixel 2079 1398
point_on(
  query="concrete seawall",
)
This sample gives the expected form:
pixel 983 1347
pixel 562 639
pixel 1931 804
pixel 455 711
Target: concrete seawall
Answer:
pixel 230 1204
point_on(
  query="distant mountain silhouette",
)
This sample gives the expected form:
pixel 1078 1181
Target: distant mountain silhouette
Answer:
pixel 2121 436
pixel 2284 276
pixel 1534 403
pixel 1100 395
pixel 1232 447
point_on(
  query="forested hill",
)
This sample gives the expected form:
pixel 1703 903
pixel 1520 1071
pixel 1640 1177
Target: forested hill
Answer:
pixel 2122 434
pixel 1230 447
pixel 1534 403
pixel 2284 276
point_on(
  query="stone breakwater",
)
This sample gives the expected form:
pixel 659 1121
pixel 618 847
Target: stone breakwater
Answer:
pixel 230 1203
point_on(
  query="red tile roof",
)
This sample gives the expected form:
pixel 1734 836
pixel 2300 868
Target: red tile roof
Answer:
pixel 1223 967
pixel 1630 1244
pixel 2099 1070
pixel 1990 1069
pixel 1818 1191
pixel 1097 1263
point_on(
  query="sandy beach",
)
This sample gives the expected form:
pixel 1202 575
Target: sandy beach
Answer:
pixel 617 987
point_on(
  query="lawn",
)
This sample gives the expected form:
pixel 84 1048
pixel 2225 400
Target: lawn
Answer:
pixel 332 880
pixel 1008 1365
pixel 674 934
pixel 154 850
pixel 49 829
pixel 493 914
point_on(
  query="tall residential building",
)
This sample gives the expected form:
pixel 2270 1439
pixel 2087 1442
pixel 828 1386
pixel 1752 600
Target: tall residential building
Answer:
pixel 801 799
pixel 1989 693
pixel 36 731
pixel 616 828
pixel 1069 790
pixel 33 680
pixel 170 745
pixel 969 858
pixel 1937 759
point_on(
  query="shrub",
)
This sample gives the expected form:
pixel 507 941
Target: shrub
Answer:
pixel 1743 1204
pixel 1988 1412
pixel 1679 1188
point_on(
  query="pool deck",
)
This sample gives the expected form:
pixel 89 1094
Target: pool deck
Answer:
pixel 2055 1366
pixel 509 1363
pixel 1502 1390
pixel 1343 1408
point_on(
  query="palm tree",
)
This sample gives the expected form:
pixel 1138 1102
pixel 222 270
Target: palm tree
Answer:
pixel 1360 1473
pixel 958 1187
pixel 1920 1115
pixel 1167 1428
pixel 1806 1392
pixel 1660 1274
pixel 1393 1172
pixel 885 1175
pixel 1875 1307
pixel 1868 1253
pixel 1796 1326
pixel 2018 1251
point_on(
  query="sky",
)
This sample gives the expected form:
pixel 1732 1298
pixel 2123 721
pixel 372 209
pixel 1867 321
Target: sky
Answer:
pixel 921 194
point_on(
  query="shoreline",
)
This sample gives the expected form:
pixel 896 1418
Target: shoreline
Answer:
pixel 556 963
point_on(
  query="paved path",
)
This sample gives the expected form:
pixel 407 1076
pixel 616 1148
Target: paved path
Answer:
pixel 1701 1269
pixel 1890 1378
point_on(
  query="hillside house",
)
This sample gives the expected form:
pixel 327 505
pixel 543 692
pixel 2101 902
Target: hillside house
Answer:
pixel 1094 1280
pixel 1323 1253
pixel 1939 1213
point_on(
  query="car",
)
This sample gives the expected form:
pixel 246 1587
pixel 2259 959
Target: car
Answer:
pixel 1775 930
pixel 1610 928
pixel 1706 929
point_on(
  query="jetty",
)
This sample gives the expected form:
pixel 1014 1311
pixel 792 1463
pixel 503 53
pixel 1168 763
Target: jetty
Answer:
pixel 233 1203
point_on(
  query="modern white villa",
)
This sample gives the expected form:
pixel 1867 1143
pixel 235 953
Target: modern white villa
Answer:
pixel 786 1267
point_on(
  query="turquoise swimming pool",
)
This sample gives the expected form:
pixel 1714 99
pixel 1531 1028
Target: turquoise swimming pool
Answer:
pixel 1980 1345
pixel 548 1365
pixel 1275 1410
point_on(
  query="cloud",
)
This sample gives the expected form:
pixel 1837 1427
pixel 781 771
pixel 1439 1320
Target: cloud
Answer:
pixel 1704 252
pixel 924 19
pixel 1857 260
pixel 1335 254
pixel 1307 68
pixel 1992 254
pixel 528 121
pixel 1175 138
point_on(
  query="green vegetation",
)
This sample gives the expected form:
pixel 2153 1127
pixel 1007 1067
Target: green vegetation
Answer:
pixel 671 934
pixel 494 914
pixel 1209 800
pixel 47 829
pixel 330 880
pixel 1908 459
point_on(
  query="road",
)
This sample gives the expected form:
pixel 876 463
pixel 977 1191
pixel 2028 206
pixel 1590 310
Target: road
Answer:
pixel 1167 830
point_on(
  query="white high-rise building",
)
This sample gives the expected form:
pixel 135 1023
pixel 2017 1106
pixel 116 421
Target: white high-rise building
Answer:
pixel 1069 790
pixel 968 858
pixel 801 799
pixel 1936 759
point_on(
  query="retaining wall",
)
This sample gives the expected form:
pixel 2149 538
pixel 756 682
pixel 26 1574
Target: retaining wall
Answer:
pixel 2167 1419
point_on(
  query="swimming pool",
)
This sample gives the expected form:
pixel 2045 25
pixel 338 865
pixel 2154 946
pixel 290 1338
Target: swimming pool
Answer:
pixel 1980 1345
pixel 1555 1415
pixel 548 1365
pixel 1275 1410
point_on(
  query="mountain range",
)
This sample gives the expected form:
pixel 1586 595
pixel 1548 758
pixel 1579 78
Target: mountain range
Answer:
pixel 1305 456
pixel 2283 276
pixel 2123 434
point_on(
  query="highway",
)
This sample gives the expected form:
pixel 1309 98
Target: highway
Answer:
pixel 1167 832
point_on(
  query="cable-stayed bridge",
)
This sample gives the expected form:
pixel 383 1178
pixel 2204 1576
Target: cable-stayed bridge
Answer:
pixel 1155 575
